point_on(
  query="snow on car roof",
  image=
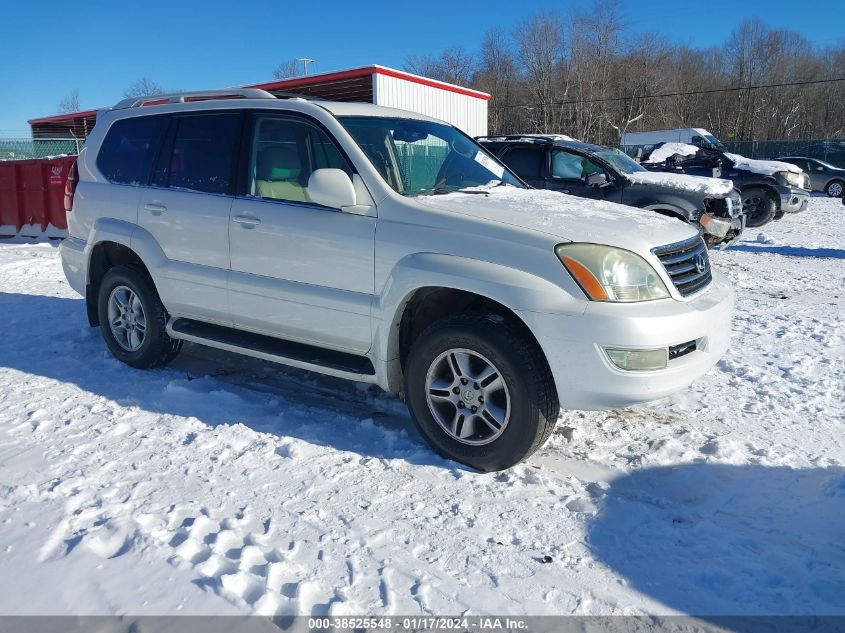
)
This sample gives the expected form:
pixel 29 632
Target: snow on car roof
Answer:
pixel 666 150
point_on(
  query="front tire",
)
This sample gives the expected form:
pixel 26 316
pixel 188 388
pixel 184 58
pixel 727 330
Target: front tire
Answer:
pixel 480 391
pixel 835 188
pixel 133 319
pixel 759 206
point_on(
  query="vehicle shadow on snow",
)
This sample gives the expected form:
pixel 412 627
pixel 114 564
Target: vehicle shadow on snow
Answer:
pixel 791 251
pixel 50 337
pixel 715 539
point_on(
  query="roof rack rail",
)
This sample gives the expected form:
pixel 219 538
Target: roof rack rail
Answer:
pixel 181 97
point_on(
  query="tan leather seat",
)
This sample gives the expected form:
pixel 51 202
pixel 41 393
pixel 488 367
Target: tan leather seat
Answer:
pixel 278 172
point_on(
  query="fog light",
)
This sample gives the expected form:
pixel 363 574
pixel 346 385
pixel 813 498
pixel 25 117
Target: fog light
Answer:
pixel 639 359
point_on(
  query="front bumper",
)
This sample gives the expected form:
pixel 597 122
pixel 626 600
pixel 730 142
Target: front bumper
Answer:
pixel 587 379
pixel 794 200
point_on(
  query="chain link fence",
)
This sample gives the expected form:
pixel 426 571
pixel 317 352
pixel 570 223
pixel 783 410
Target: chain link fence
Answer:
pixel 22 148
pixel 831 151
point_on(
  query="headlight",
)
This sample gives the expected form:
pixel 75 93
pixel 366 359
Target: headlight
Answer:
pixel 790 177
pixel 611 274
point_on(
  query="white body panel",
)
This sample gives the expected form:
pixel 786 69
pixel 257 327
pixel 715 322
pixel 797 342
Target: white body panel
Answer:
pixel 677 135
pixel 340 279
pixel 465 112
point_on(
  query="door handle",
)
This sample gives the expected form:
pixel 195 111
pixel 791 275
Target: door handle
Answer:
pixel 155 208
pixel 245 221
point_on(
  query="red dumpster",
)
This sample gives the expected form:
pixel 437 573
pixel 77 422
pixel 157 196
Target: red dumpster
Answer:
pixel 32 193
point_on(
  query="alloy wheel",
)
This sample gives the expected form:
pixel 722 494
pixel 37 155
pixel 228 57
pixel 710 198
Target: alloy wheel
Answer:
pixel 126 318
pixel 468 396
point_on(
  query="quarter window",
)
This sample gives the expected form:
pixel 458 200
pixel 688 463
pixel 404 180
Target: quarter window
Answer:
pixel 285 152
pixel 204 151
pixel 128 149
pixel 527 162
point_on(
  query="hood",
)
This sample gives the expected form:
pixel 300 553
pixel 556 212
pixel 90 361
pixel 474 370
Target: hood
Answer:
pixel 683 182
pixel 565 217
pixel 765 167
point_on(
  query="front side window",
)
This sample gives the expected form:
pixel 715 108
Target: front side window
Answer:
pixel 573 166
pixel 204 152
pixel 128 150
pixel 422 157
pixel 284 154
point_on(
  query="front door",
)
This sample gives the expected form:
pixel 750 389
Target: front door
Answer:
pixel 300 271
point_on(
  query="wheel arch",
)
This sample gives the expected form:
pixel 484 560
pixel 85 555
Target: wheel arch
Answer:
pixel 453 285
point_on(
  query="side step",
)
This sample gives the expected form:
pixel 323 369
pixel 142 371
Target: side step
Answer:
pixel 341 364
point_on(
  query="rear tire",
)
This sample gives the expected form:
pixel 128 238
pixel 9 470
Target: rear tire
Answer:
pixel 495 360
pixel 759 206
pixel 835 188
pixel 133 319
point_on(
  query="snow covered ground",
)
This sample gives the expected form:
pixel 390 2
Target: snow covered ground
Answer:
pixel 224 485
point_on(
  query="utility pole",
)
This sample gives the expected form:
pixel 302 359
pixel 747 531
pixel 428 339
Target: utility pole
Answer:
pixel 305 61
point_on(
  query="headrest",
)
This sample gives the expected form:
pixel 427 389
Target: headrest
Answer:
pixel 279 162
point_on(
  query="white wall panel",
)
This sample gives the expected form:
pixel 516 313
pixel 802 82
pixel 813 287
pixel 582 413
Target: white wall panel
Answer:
pixel 463 111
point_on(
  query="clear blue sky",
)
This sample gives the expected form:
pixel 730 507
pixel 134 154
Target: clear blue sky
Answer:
pixel 49 48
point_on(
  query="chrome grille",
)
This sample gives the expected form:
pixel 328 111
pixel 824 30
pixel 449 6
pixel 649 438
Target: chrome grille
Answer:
pixel 687 264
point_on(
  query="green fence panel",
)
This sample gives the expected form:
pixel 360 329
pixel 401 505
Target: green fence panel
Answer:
pixel 19 148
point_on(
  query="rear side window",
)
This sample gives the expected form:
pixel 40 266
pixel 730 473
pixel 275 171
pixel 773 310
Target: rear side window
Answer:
pixel 128 150
pixel 203 152
pixel 527 162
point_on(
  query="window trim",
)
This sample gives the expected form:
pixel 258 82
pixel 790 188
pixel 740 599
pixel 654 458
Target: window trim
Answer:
pixel 250 121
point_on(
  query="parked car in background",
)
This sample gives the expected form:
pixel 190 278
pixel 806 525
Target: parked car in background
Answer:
pixel 385 247
pixel 823 176
pixel 769 189
pixel 696 136
pixel 562 164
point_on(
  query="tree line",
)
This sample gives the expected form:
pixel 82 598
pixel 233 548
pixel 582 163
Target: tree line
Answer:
pixel 586 74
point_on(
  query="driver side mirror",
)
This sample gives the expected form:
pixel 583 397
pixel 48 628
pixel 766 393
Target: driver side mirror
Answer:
pixel 597 180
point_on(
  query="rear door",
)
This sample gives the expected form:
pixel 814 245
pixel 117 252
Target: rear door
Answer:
pixel 187 211
pixel 300 271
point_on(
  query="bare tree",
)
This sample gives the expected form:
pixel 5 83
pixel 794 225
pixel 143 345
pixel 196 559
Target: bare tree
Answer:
pixel 540 41
pixel 144 87
pixel 497 74
pixel 454 66
pixel 286 70
pixel 70 102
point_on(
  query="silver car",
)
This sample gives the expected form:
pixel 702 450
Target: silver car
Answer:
pixel 823 176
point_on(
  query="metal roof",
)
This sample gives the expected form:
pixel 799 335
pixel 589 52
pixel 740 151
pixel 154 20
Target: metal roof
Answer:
pixel 342 85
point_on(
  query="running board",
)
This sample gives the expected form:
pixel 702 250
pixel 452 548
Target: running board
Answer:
pixel 276 350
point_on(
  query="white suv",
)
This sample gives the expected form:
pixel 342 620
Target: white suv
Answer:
pixel 386 247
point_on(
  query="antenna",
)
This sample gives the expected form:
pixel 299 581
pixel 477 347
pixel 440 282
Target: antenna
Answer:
pixel 305 61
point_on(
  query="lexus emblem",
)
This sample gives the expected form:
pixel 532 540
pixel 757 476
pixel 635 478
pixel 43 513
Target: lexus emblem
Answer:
pixel 700 263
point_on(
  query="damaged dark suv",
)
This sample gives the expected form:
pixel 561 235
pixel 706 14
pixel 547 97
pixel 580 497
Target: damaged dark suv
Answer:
pixel 592 171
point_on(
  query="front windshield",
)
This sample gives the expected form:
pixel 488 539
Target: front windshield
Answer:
pixel 714 142
pixel 421 157
pixel 620 161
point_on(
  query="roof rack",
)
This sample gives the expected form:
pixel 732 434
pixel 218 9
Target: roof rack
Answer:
pixel 181 97
pixel 543 138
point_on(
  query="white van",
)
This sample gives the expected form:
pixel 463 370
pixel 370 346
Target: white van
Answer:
pixel 690 135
